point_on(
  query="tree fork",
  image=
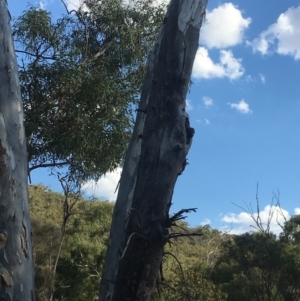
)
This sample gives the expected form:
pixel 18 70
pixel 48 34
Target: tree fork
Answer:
pixel 140 223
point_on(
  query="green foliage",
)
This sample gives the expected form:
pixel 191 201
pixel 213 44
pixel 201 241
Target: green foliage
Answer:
pixel 190 284
pixel 83 252
pixel 80 76
pixel 256 266
pixel 46 216
pixel 80 263
pixel 291 230
pixel 188 261
pixel 213 266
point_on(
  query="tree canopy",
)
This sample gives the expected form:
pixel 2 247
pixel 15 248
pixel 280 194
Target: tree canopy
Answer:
pixel 80 77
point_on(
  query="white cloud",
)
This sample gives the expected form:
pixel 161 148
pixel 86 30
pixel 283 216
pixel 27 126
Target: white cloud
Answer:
pixel 73 4
pixel 249 78
pixel 232 66
pixel 297 211
pixel 281 37
pixel 242 222
pixel 262 78
pixel 228 65
pixel 225 27
pixel 242 107
pixel 206 221
pixel 204 67
pixel 105 187
pixel 206 121
pixel 43 4
pixel 208 102
pixel 188 105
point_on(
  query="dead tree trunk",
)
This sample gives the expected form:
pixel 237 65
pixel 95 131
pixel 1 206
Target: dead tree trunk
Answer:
pixel 16 264
pixel 156 156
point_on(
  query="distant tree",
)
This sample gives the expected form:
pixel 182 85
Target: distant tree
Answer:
pixel 190 284
pixel 187 262
pixel 80 77
pixel 80 269
pixel 82 254
pixel 290 237
pixel 46 212
pixel 50 213
pixel 16 264
pixel 261 266
pixel 156 156
pixel 291 230
pixel 251 267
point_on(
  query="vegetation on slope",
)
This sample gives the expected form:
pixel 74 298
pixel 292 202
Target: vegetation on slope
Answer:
pixel 213 266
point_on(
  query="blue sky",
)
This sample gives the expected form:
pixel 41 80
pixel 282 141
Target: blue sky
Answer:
pixel 245 107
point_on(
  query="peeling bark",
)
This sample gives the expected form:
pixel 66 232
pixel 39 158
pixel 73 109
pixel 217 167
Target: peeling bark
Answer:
pixel 155 157
pixel 16 264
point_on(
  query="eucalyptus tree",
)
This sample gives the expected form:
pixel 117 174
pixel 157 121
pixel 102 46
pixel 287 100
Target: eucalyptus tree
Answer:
pixel 16 265
pixel 80 76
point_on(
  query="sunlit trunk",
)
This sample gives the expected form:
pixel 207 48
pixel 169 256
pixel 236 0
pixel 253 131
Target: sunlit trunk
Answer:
pixel 16 264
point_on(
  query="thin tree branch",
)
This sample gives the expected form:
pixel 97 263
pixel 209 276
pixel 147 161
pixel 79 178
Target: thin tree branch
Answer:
pixel 48 165
pixel 37 55
pixel 79 16
pixel 67 10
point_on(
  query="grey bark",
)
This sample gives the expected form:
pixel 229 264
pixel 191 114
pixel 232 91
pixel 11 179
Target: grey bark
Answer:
pixel 16 264
pixel 155 157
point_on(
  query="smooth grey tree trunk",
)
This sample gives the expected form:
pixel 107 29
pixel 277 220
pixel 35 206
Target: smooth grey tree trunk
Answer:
pixel 155 157
pixel 16 264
